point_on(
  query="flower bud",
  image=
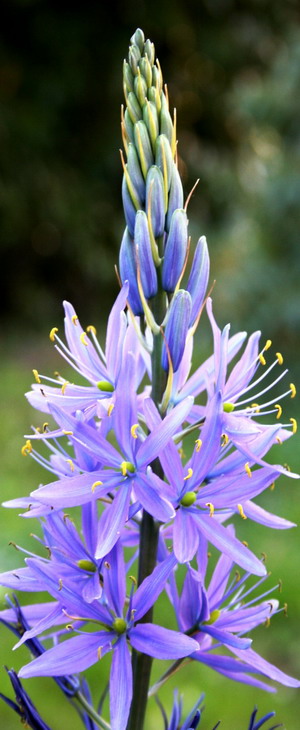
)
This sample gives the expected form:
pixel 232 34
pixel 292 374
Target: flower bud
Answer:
pixel 164 159
pixel 128 126
pixel 138 39
pixel 146 70
pixel 143 146
pixel 150 117
pixel 127 77
pixel 127 264
pixel 134 56
pixel 154 96
pixel 175 196
pixel 140 88
pixel 134 171
pixel 166 124
pixel 177 328
pixel 144 253
pixel 155 205
pixel 157 79
pixel 175 250
pixel 129 207
pixel 149 51
pixel 198 279
pixel 133 107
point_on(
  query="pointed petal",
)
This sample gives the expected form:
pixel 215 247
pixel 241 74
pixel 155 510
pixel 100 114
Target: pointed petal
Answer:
pixel 261 665
pixel 120 685
pixel 73 491
pixel 161 643
pixel 257 513
pixel 149 590
pixel 185 535
pixel 113 519
pixel 227 638
pixel 226 543
pixel 158 439
pixel 80 652
pixel 151 500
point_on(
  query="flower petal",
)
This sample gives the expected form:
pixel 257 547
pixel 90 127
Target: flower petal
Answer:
pixel 161 643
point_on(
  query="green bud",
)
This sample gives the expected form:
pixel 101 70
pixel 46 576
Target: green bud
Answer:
pixel 151 119
pixel 166 124
pixel 188 499
pixel 154 97
pixel 157 79
pixel 128 126
pixel 86 565
pixel 106 386
pixel 134 57
pixel 128 77
pixel 164 160
pixel 143 145
pixel 228 407
pixel 149 51
pixel 140 88
pixel 119 625
pixel 146 70
pixel 133 107
pixel 138 39
pixel 134 171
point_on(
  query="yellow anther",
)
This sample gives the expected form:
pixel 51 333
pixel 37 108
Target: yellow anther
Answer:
pixel 224 439
pixel 211 508
pixel 267 622
pixel 189 474
pixel 279 358
pixel 262 359
pixel 45 426
pixel 294 425
pixel 256 406
pixel 83 339
pixel 64 385
pixel 27 448
pixel 241 511
pixel 67 433
pixel 36 375
pixel 272 486
pixel 69 461
pixel 99 653
pixel 110 409
pixel 96 484
pixel 293 390
pixel 92 329
pixel 287 467
pixel 133 579
pixel 181 452
pixel 264 556
pixel 268 345
pixel 60 584
pixel 285 608
pixel 74 319
pixel 278 440
pixel 248 470
pixel 133 430
pixel 53 333
pixel 279 411
pixel 198 443
pixel 245 543
pixel 237 576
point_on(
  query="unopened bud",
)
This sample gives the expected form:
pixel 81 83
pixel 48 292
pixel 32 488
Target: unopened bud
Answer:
pixel 134 108
pixel 150 117
pixel 127 265
pixel 134 171
pixel 138 39
pixel 128 126
pixel 134 56
pixel 146 70
pixel 175 196
pixel 175 250
pixel 166 124
pixel 164 159
pixel 146 263
pixel 129 207
pixel 155 200
pixel 143 146
pixel 128 77
pixel 177 328
pixel 198 279
pixel 140 88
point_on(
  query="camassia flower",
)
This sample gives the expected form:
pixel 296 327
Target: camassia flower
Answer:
pixel 118 618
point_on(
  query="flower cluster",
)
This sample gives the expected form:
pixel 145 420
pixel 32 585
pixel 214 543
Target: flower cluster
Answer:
pixel 158 460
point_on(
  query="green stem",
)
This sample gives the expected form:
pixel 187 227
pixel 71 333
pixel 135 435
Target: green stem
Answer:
pixel 91 712
pixel 141 663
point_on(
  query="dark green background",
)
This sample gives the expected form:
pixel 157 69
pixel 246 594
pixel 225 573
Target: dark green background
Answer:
pixel 233 72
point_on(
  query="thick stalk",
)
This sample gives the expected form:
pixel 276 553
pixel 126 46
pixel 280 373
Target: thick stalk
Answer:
pixel 141 663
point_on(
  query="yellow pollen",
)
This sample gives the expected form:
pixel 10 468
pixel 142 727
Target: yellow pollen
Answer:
pixel 224 439
pixel 69 461
pixel 45 426
pixel 272 486
pixel 285 608
pixel 248 470
pixel 261 358
pixel 181 452
pixel 53 333
pixel 83 339
pixel 133 579
pixel 124 468
pixel 294 425
pixel 287 467
pixel 110 409
pixel 189 474
pixel 293 390
pixel 211 508
pixel 237 576
pixel 63 387
pixel 36 375
pixel 279 358
pixel 198 443
pixel 279 409
pixel 256 406
pixel 74 319
pixel 267 622
pixel 92 329
pixel 67 433
pixel 245 543
pixel 27 448
pixel 133 430
pixel 278 440
pixel 241 511
pixel 268 345
pixel 96 484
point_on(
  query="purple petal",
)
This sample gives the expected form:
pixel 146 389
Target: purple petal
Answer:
pixel 114 579
pixel 185 535
pixel 116 328
pixel 77 653
pixel 227 638
pixel 258 664
pixel 226 543
pixel 266 518
pixel 161 643
pixel 113 519
pixel 158 439
pixel 120 685
pixel 73 491
pixel 149 590
pixel 150 499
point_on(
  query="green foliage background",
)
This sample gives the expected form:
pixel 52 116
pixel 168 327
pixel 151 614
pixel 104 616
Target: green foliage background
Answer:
pixel 233 72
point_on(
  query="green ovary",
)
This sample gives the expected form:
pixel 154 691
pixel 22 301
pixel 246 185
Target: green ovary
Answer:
pixel 87 565
pixel 106 386
pixel 188 499
pixel 119 625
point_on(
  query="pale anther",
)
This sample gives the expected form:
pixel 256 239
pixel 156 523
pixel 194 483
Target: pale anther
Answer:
pixel 279 358
pixel 241 511
pixel 189 474
pixel 198 443
pixel 211 508
pixel 293 390
pixel 92 329
pixel 261 358
pixel 96 484
pixel 74 319
pixel 279 411
pixel 27 448
pixel 53 333
pixel 294 425
pixel 248 470
pixel 36 375
pixel 83 339
pixel 133 430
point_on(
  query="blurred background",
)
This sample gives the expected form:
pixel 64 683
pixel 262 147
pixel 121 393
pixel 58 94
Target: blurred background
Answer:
pixel 233 73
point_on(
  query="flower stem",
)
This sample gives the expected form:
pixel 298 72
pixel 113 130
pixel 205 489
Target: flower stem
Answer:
pixel 141 663
pixel 91 712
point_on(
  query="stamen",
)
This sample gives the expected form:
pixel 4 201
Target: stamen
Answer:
pixel 256 406
pixel 74 319
pixel 285 608
pixel 127 466
pixel 279 358
pixel 198 443
pixel 53 333
pixel 248 470
pixel 267 622
pixel 190 474
pixel 245 543
pixel 64 385
pixel 92 329
pixel 133 430
pixel 60 584
pixel 67 433
pixel 294 425
pixel 96 484
pixel 224 439
pixel 272 486
pixel 262 359
pixel 83 339
pixel 99 653
pixel 293 390
pixel 27 448
pixel 36 375
pixel 72 467
pixel 110 409
pixel 241 511
pixel 279 409
pixel 211 508
pixel 268 345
